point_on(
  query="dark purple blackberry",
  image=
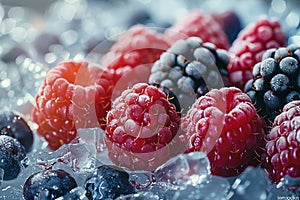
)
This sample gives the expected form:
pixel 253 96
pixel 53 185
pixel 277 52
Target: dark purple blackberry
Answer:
pixel 190 68
pixel 11 155
pixel 276 81
pixel 48 184
pixel 108 182
pixel 15 126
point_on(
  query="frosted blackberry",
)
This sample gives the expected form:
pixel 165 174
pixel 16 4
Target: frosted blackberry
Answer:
pixel 190 68
pixel 275 81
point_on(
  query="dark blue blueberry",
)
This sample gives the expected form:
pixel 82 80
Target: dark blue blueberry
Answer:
pixel 11 155
pixel 280 83
pixel 289 65
pixel 259 85
pixel 256 69
pixel 269 53
pixel 272 101
pixel 268 68
pixel 15 126
pixel 297 54
pixel 293 95
pixel 248 86
pixel 281 53
pixel 48 185
pixel 108 182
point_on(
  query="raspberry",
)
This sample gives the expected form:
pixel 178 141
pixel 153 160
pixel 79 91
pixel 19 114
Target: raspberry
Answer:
pixel 142 128
pixel 73 95
pixel 283 144
pixel 275 81
pixel 140 45
pixel 190 68
pixel 225 125
pixel 198 24
pixel 248 48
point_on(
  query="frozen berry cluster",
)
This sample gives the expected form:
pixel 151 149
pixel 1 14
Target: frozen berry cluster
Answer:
pixel 157 95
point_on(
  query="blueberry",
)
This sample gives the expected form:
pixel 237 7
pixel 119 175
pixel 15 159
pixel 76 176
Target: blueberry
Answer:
pixel 15 126
pixel 48 184
pixel 108 182
pixel 289 65
pixel 293 95
pixel 272 101
pixel 281 53
pixel 256 69
pixel 248 86
pixel 269 53
pixel 259 85
pixel 268 68
pixel 11 155
pixel 280 83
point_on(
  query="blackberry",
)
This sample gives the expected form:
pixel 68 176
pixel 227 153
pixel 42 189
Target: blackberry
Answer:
pixel 190 68
pixel 108 182
pixel 275 81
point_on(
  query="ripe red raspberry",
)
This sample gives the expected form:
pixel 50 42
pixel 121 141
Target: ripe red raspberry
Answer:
pixel 140 45
pixel 198 24
pixel 73 95
pixel 225 125
pixel 248 48
pixel 283 145
pixel 142 128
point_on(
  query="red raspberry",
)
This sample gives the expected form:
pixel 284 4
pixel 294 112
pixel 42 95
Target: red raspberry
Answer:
pixel 283 145
pixel 248 48
pixel 73 95
pixel 141 128
pixel 140 45
pixel 225 125
pixel 198 24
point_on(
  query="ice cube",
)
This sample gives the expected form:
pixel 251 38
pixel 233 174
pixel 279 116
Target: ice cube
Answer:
pixel 141 180
pixel 253 183
pixel 184 169
pixel 215 188
pixel 287 187
pixel 140 196
pixel 94 140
